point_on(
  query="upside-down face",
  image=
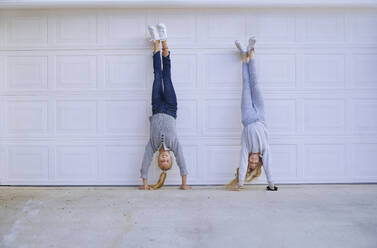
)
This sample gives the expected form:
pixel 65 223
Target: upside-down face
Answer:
pixel 164 160
pixel 254 160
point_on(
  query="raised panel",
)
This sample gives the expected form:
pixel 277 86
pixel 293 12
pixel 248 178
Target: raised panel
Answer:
pixel 122 163
pixel 364 157
pixel 324 116
pixel 26 72
pixel 76 117
pixel 276 71
pixel 223 71
pixel 26 29
pixel 76 72
pixel 126 71
pixel 126 117
pixel 281 115
pixel 184 71
pixel 222 117
pixel 75 163
pixel 321 27
pixel 222 162
pixel 283 161
pixel 27 117
pixel 364 116
pixel 125 28
pixel 271 26
pixel 362 27
pixel 221 27
pixel 323 161
pixel 323 71
pixel 365 73
pixel 27 163
pixel 187 122
pixel 175 21
pixel 75 29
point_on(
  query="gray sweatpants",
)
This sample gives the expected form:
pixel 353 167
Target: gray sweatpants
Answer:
pixel 252 105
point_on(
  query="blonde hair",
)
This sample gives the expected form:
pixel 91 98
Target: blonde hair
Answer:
pixel 161 179
pixel 251 174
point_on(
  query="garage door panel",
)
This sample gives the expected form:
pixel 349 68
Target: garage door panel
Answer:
pixel 175 20
pixel 324 116
pixel 76 117
pixel 276 70
pixel 222 162
pixel 26 73
pixel 284 161
pixel 120 163
pixel 323 71
pixel 221 27
pixel 26 28
pixel 126 71
pixel 126 117
pixel 184 74
pixel 76 162
pixel 26 117
pixel 364 70
pixel 124 27
pixel 320 27
pixel 363 156
pixel 29 163
pixel 222 117
pixel 281 115
pixel 272 27
pixel 187 118
pixel 76 72
pixel 323 161
pixel 73 28
pixel 361 26
pixel 365 116
pixel 222 71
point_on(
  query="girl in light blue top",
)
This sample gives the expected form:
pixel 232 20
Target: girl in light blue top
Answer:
pixel 255 149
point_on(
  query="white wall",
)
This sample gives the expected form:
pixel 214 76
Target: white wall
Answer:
pixel 75 91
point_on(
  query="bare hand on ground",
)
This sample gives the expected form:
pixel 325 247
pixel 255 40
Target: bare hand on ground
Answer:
pixel 185 187
pixel 144 187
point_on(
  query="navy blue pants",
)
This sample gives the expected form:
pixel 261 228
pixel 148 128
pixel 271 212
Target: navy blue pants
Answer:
pixel 164 99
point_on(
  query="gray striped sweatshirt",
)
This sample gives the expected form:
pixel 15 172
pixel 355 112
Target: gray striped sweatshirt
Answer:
pixel 162 132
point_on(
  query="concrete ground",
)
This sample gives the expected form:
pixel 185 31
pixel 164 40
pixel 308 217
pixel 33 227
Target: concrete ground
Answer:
pixel 295 216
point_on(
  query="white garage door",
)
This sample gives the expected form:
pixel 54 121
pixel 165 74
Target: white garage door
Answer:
pixel 75 91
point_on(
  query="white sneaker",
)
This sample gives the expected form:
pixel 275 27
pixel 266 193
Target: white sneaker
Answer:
pixel 240 47
pixel 252 41
pixel 153 32
pixel 162 31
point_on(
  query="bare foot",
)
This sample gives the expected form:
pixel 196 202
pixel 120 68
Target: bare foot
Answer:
pixel 185 187
pixel 144 187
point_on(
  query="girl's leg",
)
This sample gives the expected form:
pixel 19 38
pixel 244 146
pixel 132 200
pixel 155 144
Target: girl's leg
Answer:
pixel 157 91
pixel 170 97
pixel 256 94
pixel 249 115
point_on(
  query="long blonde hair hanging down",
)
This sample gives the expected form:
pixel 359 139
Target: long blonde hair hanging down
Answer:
pixel 160 182
pixel 251 174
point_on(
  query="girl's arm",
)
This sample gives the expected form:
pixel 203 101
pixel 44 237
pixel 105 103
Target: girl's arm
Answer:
pixel 244 162
pixel 147 159
pixel 266 166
